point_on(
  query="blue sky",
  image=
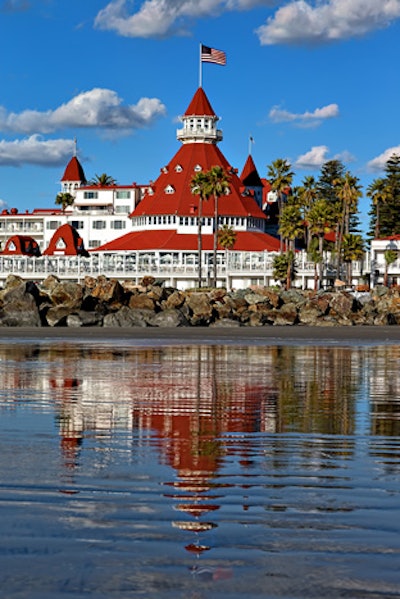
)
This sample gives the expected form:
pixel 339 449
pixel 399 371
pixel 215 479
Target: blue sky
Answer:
pixel 309 80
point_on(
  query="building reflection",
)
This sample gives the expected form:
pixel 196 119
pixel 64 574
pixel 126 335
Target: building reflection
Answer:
pixel 189 401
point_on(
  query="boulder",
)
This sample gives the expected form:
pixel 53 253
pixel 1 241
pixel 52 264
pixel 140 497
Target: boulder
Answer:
pixel 126 317
pixel 200 308
pixel 20 308
pixel 168 318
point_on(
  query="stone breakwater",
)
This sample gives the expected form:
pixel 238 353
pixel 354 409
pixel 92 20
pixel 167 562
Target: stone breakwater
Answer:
pixel 102 302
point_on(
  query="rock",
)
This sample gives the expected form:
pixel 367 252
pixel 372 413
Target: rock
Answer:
pixel 286 315
pixel 66 293
pixel 20 307
pixel 56 316
pixel 200 308
pixel 141 301
pixel 175 300
pixel 126 317
pixel 108 290
pixel 309 313
pixel 168 318
pixel 84 319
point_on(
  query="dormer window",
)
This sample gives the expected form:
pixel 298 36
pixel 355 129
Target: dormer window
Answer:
pixel 169 189
pixel 164 170
pixel 178 168
pixel 12 247
pixel 61 245
pixel 197 168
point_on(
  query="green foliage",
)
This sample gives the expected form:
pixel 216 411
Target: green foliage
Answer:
pixel 64 199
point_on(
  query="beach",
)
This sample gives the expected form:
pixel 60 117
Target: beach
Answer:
pixel 278 334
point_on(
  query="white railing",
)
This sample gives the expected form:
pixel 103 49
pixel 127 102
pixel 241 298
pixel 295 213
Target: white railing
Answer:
pixel 170 267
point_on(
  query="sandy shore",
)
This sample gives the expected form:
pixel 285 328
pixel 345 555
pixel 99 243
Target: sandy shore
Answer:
pixel 296 334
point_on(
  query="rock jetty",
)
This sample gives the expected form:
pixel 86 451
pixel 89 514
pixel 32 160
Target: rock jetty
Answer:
pixel 103 302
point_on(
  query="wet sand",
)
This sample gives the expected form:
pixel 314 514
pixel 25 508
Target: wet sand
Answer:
pixel 279 334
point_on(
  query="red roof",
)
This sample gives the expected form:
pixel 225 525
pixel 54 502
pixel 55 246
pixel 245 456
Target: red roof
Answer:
pixel 22 245
pixel 172 194
pixel 66 242
pixel 74 171
pixel 171 240
pixel 250 176
pixel 200 105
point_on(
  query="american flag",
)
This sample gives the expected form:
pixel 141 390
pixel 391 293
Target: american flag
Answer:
pixel 213 55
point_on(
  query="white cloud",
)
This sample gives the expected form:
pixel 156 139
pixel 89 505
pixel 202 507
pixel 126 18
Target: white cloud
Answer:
pixel 318 155
pixel 308 119
pixel 313 159
pixel 322 21
pixel 378 164
pixel 97 108
pixel 160 18
pixel 34 150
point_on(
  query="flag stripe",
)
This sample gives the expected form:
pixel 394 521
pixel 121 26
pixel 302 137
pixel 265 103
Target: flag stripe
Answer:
pixel 213 55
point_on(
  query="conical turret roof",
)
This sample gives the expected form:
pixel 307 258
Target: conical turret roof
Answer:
pixel 200 105
pixel 74 171
pixel 250 176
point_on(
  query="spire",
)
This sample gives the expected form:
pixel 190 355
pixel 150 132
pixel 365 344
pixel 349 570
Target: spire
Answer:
pixel 74 175
pixel 199 121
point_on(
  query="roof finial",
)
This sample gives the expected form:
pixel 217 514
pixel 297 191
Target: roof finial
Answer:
pixel 75 147
pixel 251 142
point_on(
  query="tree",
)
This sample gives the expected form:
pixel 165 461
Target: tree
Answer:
pixel 64 199
pixel 320 221
pixel 307 194
pixel 200 185
pixel 353 249
pixel 227 237
pixel 283 264
pixel 290 228
pixel 390 257
pixel 103 180
pixel 389 222
pixel 379 193
pixel 219 185
pixel 348 192
pixel 280 177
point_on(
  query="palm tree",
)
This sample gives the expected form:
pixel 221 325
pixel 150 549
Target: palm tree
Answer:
pixel 307 195
pixel 200 185
pixel 227 239
pixel 283 264
pixel 290 228
pixel 103 180
pixel 64 199
pixel 353 249
pixel 219 185
pixel 320 220
pixel 390 257
pixel 379 194
pixel 347 191
pixel 280 178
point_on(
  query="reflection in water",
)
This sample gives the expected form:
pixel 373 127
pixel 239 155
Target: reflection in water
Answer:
pixel 218 454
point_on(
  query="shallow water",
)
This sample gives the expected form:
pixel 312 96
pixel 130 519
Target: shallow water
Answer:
pixel 199 471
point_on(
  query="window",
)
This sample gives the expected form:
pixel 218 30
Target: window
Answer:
pixel 99 224
pixel 123 195
pixel 52 225
pixel 169 189
pixel 94 243
pixel 197 168
pixel 118 224
pixel 77 224
pixel 122 209
pixel 61 245
pixel 90 195
pixel 178 168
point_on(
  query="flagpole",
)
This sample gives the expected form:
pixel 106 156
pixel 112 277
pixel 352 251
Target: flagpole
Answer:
pixel 200 69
